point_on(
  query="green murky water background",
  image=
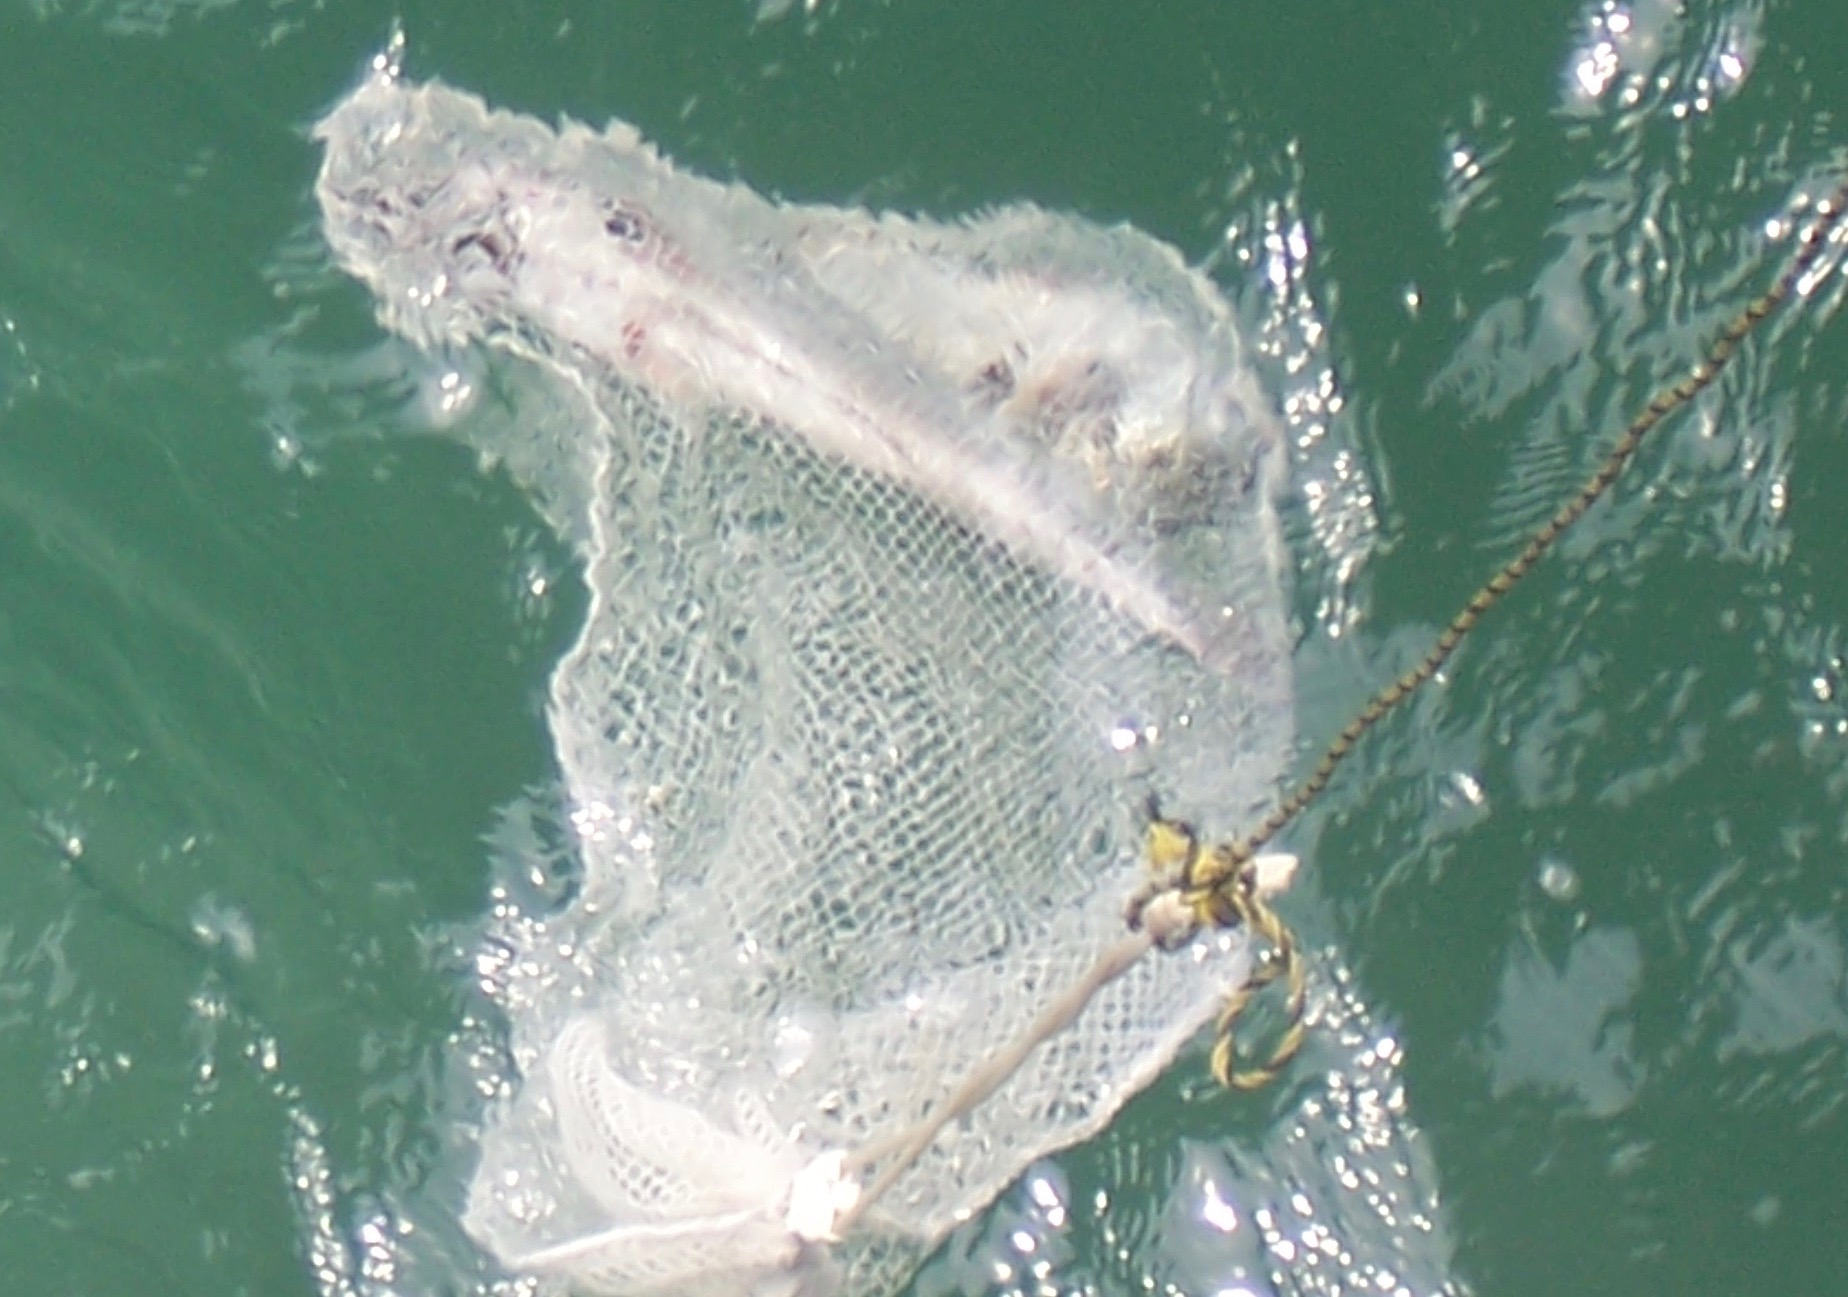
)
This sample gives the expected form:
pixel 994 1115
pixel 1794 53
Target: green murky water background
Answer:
pixel 270 666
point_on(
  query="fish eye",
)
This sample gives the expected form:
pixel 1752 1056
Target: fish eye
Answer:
pixel 491 243
pixel 996 379
pixel 626 224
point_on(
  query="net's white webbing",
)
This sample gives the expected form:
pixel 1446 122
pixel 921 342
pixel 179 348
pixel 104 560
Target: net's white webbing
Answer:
pixel 918 554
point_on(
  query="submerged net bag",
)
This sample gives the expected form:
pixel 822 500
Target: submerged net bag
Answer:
pixel 919 556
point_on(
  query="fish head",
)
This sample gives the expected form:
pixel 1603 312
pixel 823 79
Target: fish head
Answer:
pixel 439 206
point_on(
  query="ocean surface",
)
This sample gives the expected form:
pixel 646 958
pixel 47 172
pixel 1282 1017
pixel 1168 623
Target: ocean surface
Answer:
pixel 273 653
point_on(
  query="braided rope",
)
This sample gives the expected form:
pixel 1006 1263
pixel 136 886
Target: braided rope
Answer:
pixel 1218 883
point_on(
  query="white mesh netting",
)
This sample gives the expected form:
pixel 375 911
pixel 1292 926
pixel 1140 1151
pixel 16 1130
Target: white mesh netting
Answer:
pixel 918 555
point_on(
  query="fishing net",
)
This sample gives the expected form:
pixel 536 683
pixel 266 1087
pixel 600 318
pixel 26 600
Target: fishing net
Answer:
pixel 918 556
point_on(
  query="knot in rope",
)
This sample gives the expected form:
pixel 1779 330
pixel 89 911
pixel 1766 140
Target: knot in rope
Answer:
pixel 1194 886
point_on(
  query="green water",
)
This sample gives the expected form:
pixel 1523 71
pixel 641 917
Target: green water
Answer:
pixel 270 666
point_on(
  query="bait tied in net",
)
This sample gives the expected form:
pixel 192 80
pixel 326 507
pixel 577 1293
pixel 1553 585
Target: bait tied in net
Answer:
pixel 918 556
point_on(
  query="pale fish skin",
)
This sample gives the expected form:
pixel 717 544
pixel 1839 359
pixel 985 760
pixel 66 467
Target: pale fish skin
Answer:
pixel 1061 418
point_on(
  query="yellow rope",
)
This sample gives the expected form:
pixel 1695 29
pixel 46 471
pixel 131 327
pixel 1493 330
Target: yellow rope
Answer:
pixel 1286 960
pixel 1217 882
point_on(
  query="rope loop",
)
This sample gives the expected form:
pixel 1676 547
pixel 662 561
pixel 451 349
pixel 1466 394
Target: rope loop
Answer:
pixel 1194 886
